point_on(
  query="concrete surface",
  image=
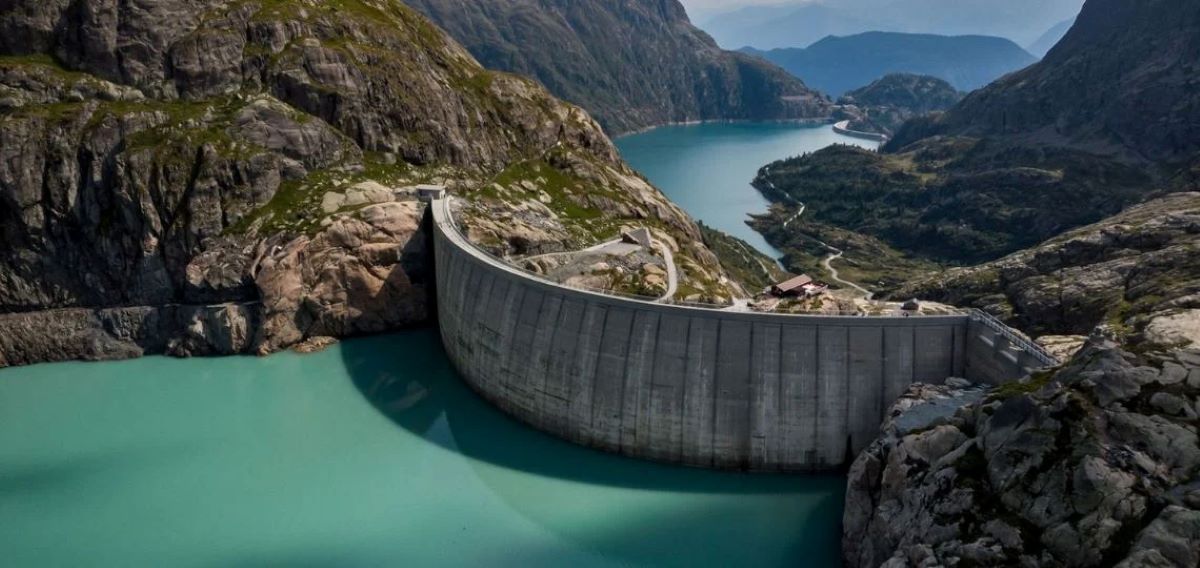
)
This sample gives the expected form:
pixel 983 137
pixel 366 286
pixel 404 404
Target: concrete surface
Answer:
pixel 708 388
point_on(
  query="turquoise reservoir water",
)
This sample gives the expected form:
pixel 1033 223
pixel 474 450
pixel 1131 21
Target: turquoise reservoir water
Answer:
pixel 707 168
pixel 369 454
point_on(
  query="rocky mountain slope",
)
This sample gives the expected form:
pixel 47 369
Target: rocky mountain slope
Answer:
pixel 1095 464
pixel 886 104
pixel 1107 119
pixel 836 65
pixel 1137 272
pixel 631 63
pixel 1122 83
pixel 227 176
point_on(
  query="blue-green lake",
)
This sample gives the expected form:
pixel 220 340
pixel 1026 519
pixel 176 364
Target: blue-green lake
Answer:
pixel 707 168
pixel 371 453
pixel 374 453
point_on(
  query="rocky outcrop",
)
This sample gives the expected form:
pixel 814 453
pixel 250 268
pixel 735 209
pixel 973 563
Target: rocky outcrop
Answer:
pixel 886 104
pixel 1137 273
pixel 231 176
pixel 1095 464
pixel 631 63
pixel 364 274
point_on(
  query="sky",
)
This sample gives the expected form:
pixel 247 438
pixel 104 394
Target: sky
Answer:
pixel 700 8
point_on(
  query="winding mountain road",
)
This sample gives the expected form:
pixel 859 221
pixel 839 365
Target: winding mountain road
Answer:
pixel 833 273
pixel 672 272
pixel 835 253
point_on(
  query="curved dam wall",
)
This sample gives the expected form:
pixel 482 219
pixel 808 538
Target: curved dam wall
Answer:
pixel 764 392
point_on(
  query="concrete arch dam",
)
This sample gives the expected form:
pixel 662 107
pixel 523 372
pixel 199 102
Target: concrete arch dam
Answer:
pixel 751 391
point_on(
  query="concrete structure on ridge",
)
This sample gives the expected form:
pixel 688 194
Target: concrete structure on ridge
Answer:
pixel 430 193
pixel 709 388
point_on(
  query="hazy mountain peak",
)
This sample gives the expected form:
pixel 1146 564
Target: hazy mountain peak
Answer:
pixel 837 64
pixel 798 24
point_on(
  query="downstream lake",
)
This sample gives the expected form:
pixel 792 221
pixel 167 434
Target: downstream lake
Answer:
pixel 707 168
pixel 373 453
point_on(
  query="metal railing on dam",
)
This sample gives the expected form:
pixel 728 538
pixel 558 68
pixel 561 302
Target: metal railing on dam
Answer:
pixel 681 384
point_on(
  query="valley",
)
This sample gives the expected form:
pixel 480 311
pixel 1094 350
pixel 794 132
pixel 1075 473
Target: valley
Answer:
pixel 464 282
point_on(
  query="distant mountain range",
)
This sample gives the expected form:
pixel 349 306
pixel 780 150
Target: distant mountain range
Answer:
pixel 630 63
pixel 800 23
pixel 1044 44
pixel 836 65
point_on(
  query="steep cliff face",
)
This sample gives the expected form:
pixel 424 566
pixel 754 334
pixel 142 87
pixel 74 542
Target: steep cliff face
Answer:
pixel 631 63
pixel 161 157
pixel 1096 464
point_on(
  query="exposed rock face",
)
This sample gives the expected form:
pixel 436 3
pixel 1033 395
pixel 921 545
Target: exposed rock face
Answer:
pixel 226 176
pixel 886 104
pixel 1138 272
pixel 363 274
pixel 631 63
pixel 1096 464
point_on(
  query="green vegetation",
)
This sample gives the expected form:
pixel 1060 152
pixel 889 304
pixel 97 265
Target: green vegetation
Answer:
pixel 46 64
pixel 539 177
pixel 953 200
pixel 750 268
pixel 867 261
pixel 296 205
pixel 1033 384
pixel 631 283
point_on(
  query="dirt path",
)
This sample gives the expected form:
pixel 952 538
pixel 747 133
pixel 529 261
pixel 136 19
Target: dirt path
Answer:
pixel 833 273
pixel 572 252
pixel 834 255
pixel 672 272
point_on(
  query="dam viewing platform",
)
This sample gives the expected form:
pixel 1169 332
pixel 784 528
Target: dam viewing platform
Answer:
pixel 702 387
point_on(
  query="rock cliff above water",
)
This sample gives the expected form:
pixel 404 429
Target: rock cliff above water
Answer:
pixel 227 176
pixel 1096 464
pixel 631 63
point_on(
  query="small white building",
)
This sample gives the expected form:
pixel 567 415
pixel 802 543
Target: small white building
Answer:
pixel 431 193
